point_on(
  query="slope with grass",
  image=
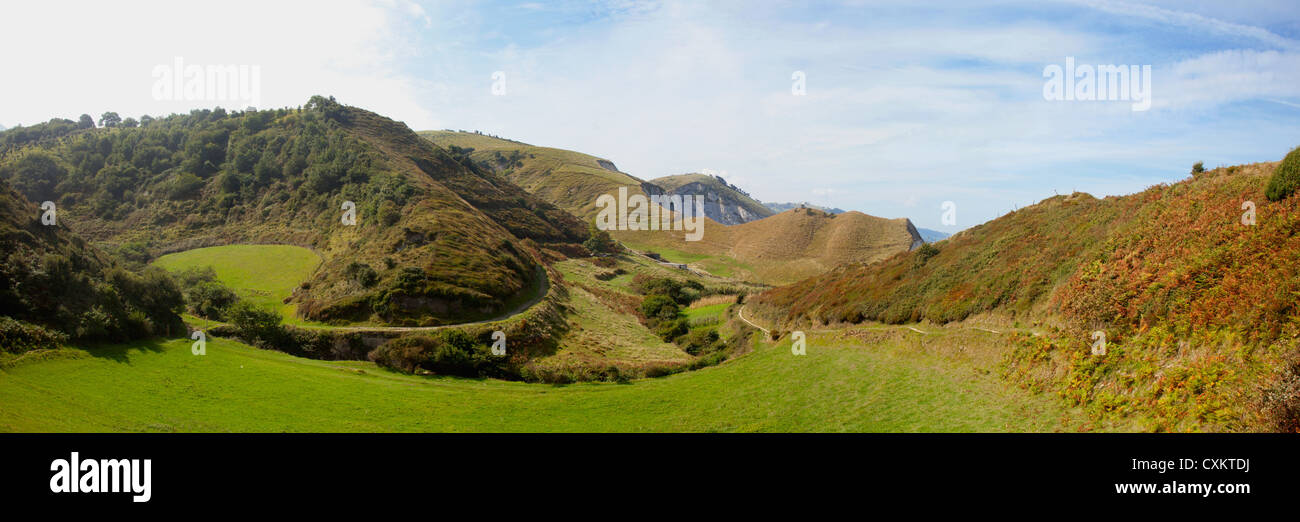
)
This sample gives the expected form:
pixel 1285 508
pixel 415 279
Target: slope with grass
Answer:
pixel 50 276
pixel 1196 303
pixel 435 240
pixel 783 248
pixel 265 275
pixel 605 338
pixel 841 385
pixel 567 179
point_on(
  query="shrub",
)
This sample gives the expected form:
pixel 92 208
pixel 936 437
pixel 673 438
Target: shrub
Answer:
pixel 362 274
pixel 599 241
pixel 670 330
pixel 924 254
pixel 184 186
pixel 1198 168
pixel 444 352
pixel 681 292
pixel 20 337
pixel 1286 179
pixel 210 300
pixel 703 340
pixel 659 307
pixel 256 324
pixel 1280 401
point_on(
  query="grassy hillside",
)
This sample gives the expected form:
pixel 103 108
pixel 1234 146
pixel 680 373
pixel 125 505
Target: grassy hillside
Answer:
pixel 724 203
pixel 49 276
pixel 1198 309
pixel 436 240
pixel 265 275
pixel 569 180
pixel 841 385
pixel 783 248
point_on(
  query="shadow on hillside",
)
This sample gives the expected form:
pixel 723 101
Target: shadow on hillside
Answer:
pixel 121 352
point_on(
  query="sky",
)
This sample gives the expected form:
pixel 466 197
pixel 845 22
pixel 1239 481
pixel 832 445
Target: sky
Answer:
pixel 891 108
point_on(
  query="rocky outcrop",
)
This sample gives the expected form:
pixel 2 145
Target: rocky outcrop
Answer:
pixel 723 203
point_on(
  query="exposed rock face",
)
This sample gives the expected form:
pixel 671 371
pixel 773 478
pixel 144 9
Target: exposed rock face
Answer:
pixel 917 239
pixel 723 203
pixel 607 165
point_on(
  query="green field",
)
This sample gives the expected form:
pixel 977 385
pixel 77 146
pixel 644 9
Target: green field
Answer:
pixel 838 386
pixel 261 274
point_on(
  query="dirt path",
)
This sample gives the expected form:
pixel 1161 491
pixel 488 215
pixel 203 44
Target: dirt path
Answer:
pixel 543 281
pixel 741 314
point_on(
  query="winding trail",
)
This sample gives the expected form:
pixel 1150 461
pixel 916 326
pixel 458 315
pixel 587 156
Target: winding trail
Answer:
pixel 543 281
pixel 741 314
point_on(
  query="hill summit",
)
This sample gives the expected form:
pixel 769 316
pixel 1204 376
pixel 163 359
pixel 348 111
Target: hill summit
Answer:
pixel 409 233
pixel 723 202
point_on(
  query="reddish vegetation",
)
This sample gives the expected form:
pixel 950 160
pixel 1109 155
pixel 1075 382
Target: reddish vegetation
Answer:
pixel 1198 309
pixel 1174 255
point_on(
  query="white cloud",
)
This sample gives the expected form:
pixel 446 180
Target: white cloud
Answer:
pixel 1192 21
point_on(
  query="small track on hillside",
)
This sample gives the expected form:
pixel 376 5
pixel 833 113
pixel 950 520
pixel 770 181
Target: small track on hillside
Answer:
pixel 545 290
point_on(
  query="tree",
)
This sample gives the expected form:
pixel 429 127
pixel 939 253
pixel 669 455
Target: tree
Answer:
pixel 1198 167
pixel 110 119
pixel 255 323
pixel 35 175
pixel 599 240
pixel 86 122
pixel 130 123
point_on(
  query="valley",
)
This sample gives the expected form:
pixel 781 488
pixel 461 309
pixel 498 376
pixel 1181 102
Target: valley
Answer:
pixel 841 385
pixel 461 241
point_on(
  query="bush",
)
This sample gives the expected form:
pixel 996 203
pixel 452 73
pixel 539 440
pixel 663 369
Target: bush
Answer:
pixel 185 185
pixel 681 292
pixel 924 254
pixel 598 241
pixel 1280 401
pixel 204 295
pixel 445 352
pixel 1198 168
pixel 20 337
pixel 256 324
pixel 659 307
pixel 362 274
pixel 670 330
pixel 1286 179
pixel 703 340
pixel 210 300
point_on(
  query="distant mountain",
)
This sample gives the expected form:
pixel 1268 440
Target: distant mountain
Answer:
pixel 723 202
pixel 931 236
pixel 2 127
pixel 782 207
pixel 743 237
pixel 573 180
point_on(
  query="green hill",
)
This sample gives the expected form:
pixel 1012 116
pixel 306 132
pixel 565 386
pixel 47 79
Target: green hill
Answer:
pixel 436 239
pixel 569 180
pixel 783 248
pixel 1198 309
pixel 844 387
pixel 50 277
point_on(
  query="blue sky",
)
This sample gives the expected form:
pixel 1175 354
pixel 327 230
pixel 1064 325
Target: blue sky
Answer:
pixel 908 104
